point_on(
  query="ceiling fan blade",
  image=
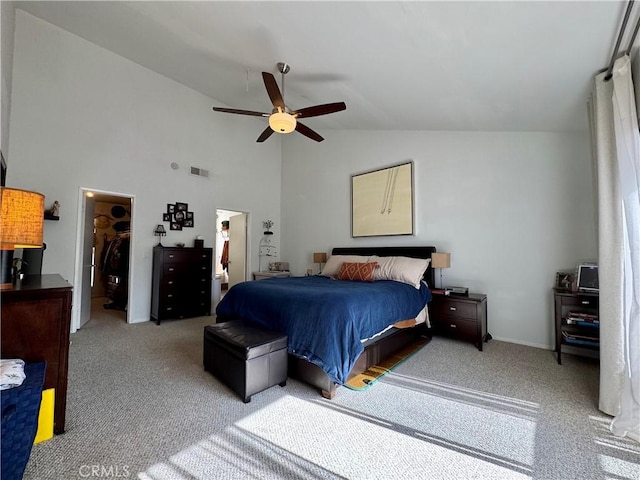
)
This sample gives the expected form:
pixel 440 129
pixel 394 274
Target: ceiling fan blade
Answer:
pixel 307 132
pixel 319 110
pixel 264 135
pixel 241 112
pixel 273 90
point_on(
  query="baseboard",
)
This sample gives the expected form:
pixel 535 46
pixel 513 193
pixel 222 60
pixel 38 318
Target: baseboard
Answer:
pixel 527 344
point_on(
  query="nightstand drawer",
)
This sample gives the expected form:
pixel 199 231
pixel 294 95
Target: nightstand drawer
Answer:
pixel 456 327
pixel 580 301
pixel 455 308
pixel 464 318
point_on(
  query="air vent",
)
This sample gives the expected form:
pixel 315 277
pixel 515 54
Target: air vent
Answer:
pixel 199 172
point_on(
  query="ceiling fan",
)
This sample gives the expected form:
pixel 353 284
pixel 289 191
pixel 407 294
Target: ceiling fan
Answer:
pixel 282 119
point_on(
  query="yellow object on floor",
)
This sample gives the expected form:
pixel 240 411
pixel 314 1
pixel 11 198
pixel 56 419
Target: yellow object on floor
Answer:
pixel 374 373
pixel 45 418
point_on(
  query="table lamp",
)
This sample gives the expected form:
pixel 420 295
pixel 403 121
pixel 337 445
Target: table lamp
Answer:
pixel 320 258
pixel 440 260
pixel 160 232
pixel 21 226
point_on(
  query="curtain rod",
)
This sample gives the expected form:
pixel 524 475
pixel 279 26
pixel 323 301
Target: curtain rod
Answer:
pixel 619 40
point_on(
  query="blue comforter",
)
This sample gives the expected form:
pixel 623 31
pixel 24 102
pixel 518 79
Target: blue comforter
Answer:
pixel 325 319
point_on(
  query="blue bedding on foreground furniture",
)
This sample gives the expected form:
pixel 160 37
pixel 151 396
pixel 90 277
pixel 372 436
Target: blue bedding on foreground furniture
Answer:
pixel 325 319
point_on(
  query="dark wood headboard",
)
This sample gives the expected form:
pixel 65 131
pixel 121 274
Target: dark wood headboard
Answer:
pixel 411 252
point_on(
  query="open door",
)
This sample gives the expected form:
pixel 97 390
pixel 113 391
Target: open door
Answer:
pixel 237 249
pixel 87 260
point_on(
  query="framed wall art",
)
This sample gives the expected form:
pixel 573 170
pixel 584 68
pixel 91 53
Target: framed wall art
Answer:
pixel 178 216
pixel 565 280
pixel 382 202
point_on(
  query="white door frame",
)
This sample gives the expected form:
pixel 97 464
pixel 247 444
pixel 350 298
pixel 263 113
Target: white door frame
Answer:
pixel 78 271
pixel 248 246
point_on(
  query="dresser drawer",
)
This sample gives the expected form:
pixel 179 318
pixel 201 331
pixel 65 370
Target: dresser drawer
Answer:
pixel 580 301
pixel 455 308
pixel 181 285
pixel 457 327
pixel 463 318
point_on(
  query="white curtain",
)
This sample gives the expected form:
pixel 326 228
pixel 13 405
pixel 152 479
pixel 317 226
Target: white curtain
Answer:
pixel 614 128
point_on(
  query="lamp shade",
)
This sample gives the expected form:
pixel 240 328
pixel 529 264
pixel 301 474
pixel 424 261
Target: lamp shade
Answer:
pixel 440 260
pixel 320 257
pixel 160 231
pixel 282 122
pixel 21 219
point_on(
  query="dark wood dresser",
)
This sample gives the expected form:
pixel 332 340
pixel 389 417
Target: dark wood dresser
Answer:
pixel 464 318
pixel 181 285
pixel 36 320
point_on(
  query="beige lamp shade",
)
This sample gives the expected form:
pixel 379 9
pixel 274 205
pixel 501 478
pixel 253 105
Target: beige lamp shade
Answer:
pixel 320 257
pixel 440 260
pixel 21 219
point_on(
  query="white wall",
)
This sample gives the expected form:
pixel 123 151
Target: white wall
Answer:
pixel 512 208
pixel 7 24
pixel 85 117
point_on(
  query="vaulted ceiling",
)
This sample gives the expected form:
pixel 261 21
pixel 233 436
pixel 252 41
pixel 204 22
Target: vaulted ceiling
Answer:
pixel 486 66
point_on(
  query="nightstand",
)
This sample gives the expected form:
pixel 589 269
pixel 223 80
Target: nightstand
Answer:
pixel 464 318
pixel 271 274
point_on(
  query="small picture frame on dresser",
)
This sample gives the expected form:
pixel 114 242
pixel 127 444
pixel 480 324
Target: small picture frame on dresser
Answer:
pixel 565 281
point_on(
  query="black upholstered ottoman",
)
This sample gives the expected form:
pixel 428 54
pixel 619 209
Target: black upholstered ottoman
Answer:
pixel 246 357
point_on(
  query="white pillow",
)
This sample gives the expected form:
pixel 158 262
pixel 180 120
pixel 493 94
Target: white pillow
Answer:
pixel 332 266
pixel 401 269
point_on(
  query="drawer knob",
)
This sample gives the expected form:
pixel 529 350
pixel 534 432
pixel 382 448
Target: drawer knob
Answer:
pixel 453 309
pixel 453 325
pixel 585 302
pixel 169 308
pixel 171 256
pixel 170 295
pixel 171 269
pixel 170 282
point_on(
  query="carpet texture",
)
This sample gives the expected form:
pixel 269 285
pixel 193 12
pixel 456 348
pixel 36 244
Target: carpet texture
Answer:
pixel 374 373
pixel 140 405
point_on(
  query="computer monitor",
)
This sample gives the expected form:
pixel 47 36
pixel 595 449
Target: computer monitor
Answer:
pixel 588 278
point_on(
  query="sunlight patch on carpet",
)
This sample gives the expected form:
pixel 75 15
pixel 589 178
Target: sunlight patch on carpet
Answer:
pixel 344 444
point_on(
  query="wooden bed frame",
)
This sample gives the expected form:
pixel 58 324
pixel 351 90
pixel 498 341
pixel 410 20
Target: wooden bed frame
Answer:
pixel 377 349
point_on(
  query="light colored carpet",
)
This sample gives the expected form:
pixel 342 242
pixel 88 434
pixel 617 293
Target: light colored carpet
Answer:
pixel 140 405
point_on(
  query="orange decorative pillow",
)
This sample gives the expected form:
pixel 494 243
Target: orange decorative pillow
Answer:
pixel 362 272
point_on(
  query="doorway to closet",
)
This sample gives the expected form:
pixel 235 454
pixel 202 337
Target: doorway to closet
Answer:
pixel 231 250
pixel 105 256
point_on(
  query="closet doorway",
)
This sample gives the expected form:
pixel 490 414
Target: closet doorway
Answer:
pixel 231 249
pixel 105 256
pixel 112 230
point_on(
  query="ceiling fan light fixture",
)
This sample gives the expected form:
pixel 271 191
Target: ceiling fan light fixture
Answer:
pixel 282 122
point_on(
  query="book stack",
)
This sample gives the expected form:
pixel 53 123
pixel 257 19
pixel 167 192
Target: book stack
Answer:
pixel 583 319
pixel 580 338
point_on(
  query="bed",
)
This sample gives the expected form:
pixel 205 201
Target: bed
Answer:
pixel 339 328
